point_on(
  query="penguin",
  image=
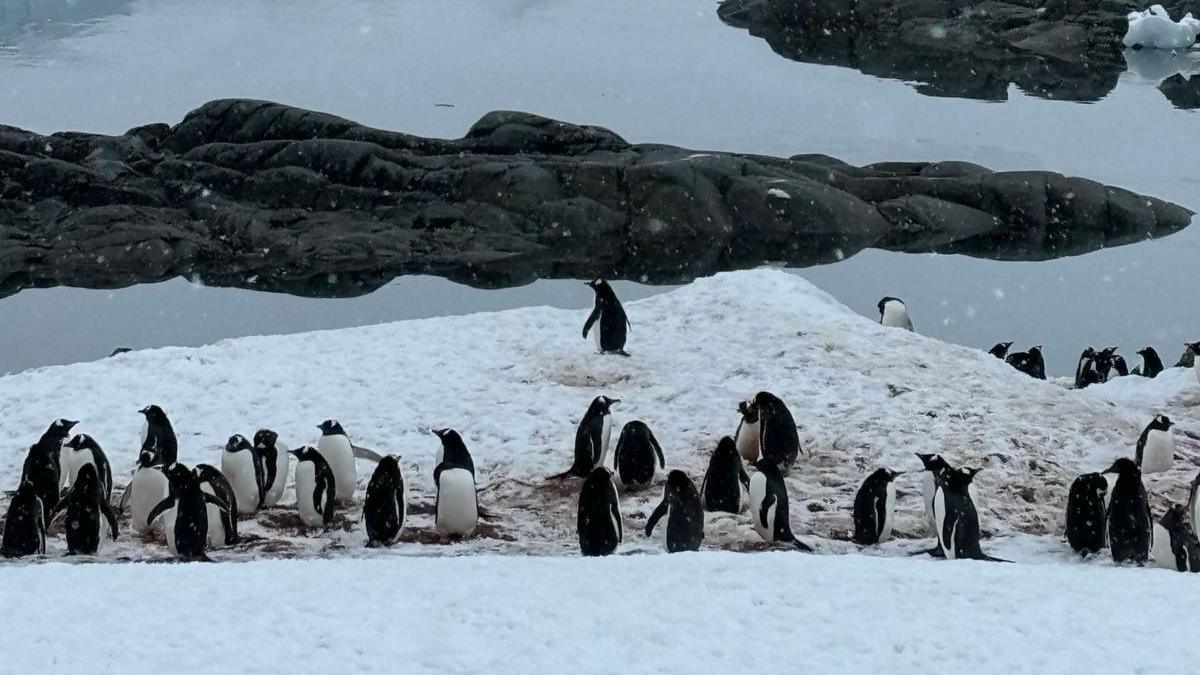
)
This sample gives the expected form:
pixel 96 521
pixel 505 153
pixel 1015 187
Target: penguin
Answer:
pixel 1104 365
pixel 1194 502
pixel 748 434
pixel 1119 367
pixel 598 521
pixel 274 456
pixel 1129 526
pixel 1152 365
pixel 1082 368
pixel 43 466
pixel 335 447
pixel 89 516
pixel 768 418
pixel 25 524
pixel 1156 446
pixel 934 466
pixel 1000 350
pixel 146 489
pixel 187 535
pixel 638 455
pixel 685 514
pixel 384 508
pixel 894 313
pixel 1194 348
pixel 610 334
pixel 875 507
pixel 592 438
pixel 82 450
pixel 222 523
pixel 726 485
pixel 456 511
pixel 957 519
pixel 1087 513
pixel 1183 550
pixel 244 471
pixel 769 505
pixel 1032 362
pixel 158 436
pixel 316 487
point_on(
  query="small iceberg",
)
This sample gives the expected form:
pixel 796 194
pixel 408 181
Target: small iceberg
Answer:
pixel 1153 28
pixel 1156 65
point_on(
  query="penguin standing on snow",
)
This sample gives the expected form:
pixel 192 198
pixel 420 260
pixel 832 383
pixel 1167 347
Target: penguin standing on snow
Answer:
pixel 748 436
pixel 769 505
pixel 726 485
pixel 934 466
pixel 1194 502
pixel 1194 347
pixel 187 526
pixel 1087 513
pixel 82 450
pixel 875 507
pixel 894 313
pixel 768 431
pixel 957 519
pixel 1183 549
pixel 1000 350
pixel 335 447
pixel 1032 363
pixel 25 524
pixel 1129 526
pixel 1156 446
pixel 316 487
pixel 1152 365
pixel 685 514
pixel 1119 367
pixel 384 509
pixel 90 518
pixel 456 511
pixel 598 522
pixel 638 455
pixel 222 523
pixel 273 454
pixel 1083 368
pixel 149 484
pixel 43 467
pixel 613 323
pixel 592 438
pixel 244 472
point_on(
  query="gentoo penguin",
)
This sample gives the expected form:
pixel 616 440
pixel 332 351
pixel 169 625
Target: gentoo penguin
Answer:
pixel 1119 367
pixel 25 524
pixel 610 334
pixel 149 484
pixel 1194 502
pixel 274 456
pixel 456 511
pixel 222 522
pixel 1182 544
pixel 748 435
pixel 1084 368
pixel 335 447
pixel 1129 525
pixel 957 519
pixel 187 536
pixel 894 313
pixel 767 420
pixel 1156 446
pixel 685 514
pixel 244 472
pixel 1086 513
pixel 1195 348
pixel 875 507
pixel 1032 363
pixel 638 455
pixel 726 485
pixel 384 508
pixel 90 518
pixel 158 436
pixel 592 438
pixel 769 505
pixel 1000 350
pixel 934 466
pixel 43 467
pixel 1152 365
pixel 83 449
pixel 599 518
pixel 316 487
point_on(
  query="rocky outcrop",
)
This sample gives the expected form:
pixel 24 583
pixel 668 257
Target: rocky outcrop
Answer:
pixel 1056 49
pixel 262 195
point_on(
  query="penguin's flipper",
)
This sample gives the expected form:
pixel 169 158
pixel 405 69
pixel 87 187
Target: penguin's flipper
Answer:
pixel 662 463
pixel 659 512
pixel 126 495
pixel 988 558
pixel 106 508
pixel 801 545
pixel 161 507
pixel 216 501
pixel 935 552
pixel 767 502
pixel 558 476
pixel 592 318
pixel 620 352
pixel 367 454
pixel 743 477
pixel 260 477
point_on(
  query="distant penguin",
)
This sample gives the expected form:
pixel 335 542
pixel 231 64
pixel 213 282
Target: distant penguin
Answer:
pixel 244 471
pixel 1195 349
pixel 1181 539
pixel 316 487
pixel 90 518
pixel 598 521
pixel 335 447
pixel 957 519
pixel 592 438
pixel 1104 365
pixel 43 465
pixel 875 507
pixel 726 485
pixel 769 505
pixel 1000 350
pixel 1156 446
pixel 1194 502
pixel 1032 362
pixel 222 522
pixel 82 450
pixel 613 323
pixel 768 418
pixel 456 510
pixel 1152 365
pixel 1129 525
pixel 25 524
pixel 385 508
pixel 894 313
pixel 273 454
pixel 1084 368
pixel 187 530
pixel 1086 513
pixel 638 455
pixel 685 514
pixel 933 466
pixel 1119 367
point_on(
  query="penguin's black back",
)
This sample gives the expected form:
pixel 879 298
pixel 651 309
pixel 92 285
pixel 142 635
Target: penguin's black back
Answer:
pixel 1152 365
pixel 191 519
pixel 685 514
pixel 267 455
pixel 325 486
pixel 612 319
pixel 24 524
pixel 589 442
pixel 638 454
pixel 382 511
pixel 777 429
pixel 41 469
pixel 1184 546
pixel 86 506
pixel 870 505
pixel 207 473
pixel 782 527
pixel 599 521
pixel 1085 513
pixel 725 479
pixel 961 526
pixel 1129 526
pixel 455 454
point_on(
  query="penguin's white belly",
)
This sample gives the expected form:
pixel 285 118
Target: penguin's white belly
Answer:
pixel 1194 505
pixel 596 332
pixel 275 491
pixel 457 508
pixel 1196 367
pixel 939 521
pixel 895 315
pixel 338 452
pixel 747 441
pixel 1160 551
pixel 73 461
pixel 1159 453
pixel 216 527
pixel 758 493
pixel 167 519
pixel 238 468
pixel 605 440
pixel 889 508
pixel 149 486
pixel 1111 479
pixel 306 483
pixel 928 487
pixel 743 498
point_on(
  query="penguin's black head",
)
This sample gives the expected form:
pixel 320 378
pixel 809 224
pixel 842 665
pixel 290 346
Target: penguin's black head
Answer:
pixel 58 431
pixel 153 412
pixel 77 441
pixel 1035 350
pixel 679 485
pixel 1175 518
pixel 304 453
pixel 237 443
pixel 178 474
pixel 597 284
pixel 958 478
pixel 1162 422
pixel 1194 346
pixel 933 462
pixel 331 428
pixel 86 478
pixel 1088 353
pixel 891 475
pixel 1109 351
pixel 726 446
pixel 603 405
pixel 147 459
pixel 265 438
pixel 1146 351
pixel 1124 467
pixel 749 411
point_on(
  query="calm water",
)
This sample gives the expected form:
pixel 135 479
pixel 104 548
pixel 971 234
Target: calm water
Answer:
pixel 667 71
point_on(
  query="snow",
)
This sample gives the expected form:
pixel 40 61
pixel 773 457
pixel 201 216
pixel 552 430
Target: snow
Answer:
pixel 1153 28
pixel 780 194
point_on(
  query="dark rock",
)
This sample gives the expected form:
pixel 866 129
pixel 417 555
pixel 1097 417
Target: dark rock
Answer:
pixel 261 195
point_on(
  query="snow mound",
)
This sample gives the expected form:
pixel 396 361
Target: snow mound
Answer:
pixel 515 384
pixel 1153 28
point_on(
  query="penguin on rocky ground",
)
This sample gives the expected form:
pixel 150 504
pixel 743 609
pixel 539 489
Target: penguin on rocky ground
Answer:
pixel 638 456
pixel 456 511
pixel 90 518
pixel 24 524
pixel 875 507
pixel 598 520
pixel 1000 350
pixel 1156 446
pixel 43 465
pixel 613 323
pixel 767 431
pixel 222 522
pixel 933 466
pixel 385 508
pixel 1032 362
pixel 592 438
pixel 1087 513
pixel 244 472
pixel 337 450
pixel 149 484
pixel 769 505
pixel 957 519
pixel 274 456
pixel 685 514
pixel 1129 526
pixel 894 313
pixel 187 529
pixel 1181 549
pixel 316 487
pixel 81 450
pixel 1152 365
pixel 726 485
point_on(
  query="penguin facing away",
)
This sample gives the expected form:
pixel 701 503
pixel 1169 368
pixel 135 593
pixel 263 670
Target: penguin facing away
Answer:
pixel 316 487
pixel 933 466
pixel 875 507
pixel 1000 350
pixel 188 534
pixel 1129 526
pixel 894 313
pixel 1156 446
pixel 638 456
pixel 90 518
pixel 456 510
pixel 83 449
pixel 385 508
pixel 1084 368
pixel 453 451
pixel 274 456
pixel 222 522
pixel 613 323
pixel 957 519
pixel 158 437
pixel 25 524
pixel 1152 365
pixel 43 465
pixel 1032 362
pixel 1087 513
pixel 726 485
pixel 1119 367
pixel 769 505
pixel 244 471
pixel 685 514
pixel 1181 538
pixel 592 438
pixel 598 520
pixel 779 442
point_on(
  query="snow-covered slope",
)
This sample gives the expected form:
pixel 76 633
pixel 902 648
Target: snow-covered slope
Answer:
pixel 515 383
pixel 1154 28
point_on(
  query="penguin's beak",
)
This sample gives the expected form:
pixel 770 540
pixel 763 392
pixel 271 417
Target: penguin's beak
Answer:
pixel 440 433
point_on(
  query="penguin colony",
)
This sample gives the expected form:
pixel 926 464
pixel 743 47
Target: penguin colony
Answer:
pixel 197 509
